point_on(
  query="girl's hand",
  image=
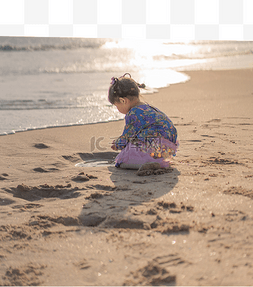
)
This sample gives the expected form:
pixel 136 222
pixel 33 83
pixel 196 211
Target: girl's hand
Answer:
pixel 113 146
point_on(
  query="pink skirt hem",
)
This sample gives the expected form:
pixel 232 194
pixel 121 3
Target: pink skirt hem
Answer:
pixel 131 154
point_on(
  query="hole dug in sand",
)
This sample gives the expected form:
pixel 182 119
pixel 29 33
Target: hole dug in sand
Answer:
pixel 32 193
pixel 95 163
pixel 97 159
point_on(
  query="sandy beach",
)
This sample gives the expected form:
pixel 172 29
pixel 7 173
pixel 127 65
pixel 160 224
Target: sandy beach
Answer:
pixel 62 224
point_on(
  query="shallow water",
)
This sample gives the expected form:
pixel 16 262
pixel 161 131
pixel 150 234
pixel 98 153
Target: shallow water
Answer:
pixel 47 82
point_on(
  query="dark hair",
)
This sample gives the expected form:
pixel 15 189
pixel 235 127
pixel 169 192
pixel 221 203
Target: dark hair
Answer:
pixel 123 87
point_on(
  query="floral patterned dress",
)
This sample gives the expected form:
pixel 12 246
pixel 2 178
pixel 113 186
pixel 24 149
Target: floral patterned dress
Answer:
pixel 149 136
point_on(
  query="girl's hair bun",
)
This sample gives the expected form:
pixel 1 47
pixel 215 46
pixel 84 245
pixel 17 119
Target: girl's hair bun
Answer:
pixel 123 87
pixel 114 80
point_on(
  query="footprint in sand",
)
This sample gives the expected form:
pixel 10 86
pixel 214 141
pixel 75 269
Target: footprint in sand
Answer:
pixel 40 146
pixel 3 176
pixel 6 201
pixel 32 193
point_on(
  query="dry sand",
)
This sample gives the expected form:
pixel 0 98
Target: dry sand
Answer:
pixel 67 225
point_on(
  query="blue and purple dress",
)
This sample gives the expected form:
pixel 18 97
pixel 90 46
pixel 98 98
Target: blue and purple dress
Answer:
pixel 149 136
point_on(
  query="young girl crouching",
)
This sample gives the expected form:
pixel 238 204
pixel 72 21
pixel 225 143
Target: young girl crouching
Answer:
pixel 149 136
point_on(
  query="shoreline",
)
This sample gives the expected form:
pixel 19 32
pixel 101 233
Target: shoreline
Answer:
pixel 67 225
pixel 185 72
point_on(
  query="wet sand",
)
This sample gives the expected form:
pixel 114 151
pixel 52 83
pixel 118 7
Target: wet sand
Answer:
pixel 62 224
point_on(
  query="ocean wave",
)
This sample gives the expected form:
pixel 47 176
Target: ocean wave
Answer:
pixel 84 70
pixel 204 54
pixel 8 44
pixel 42 104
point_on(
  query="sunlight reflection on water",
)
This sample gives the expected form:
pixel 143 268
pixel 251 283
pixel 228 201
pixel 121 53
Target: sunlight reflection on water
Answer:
pixel 153 61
